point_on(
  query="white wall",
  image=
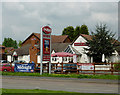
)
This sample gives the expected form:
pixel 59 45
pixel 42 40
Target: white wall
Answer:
pixel 24 58
pixel 9 58
pixel 84 58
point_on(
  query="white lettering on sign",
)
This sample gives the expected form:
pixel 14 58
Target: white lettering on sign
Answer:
pixel 46 29
pixel 24 67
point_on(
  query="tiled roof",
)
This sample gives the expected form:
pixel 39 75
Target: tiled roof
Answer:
pixel 59 47
pixel 55 38
pixel 24 50
pixel 58 39
pixel 2 46
pixel 88 37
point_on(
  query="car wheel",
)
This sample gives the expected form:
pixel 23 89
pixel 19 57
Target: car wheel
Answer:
pixel 4 70
pixel 68 72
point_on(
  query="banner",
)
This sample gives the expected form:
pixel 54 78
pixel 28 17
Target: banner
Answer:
pixel 85 66
pixel 26 67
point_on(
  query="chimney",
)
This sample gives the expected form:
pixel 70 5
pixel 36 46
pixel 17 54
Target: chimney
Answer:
pixel 33 40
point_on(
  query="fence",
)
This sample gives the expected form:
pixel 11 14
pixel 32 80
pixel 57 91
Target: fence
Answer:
pixel 82 68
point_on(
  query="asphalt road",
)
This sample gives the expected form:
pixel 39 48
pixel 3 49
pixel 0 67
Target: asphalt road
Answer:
pixel 62 84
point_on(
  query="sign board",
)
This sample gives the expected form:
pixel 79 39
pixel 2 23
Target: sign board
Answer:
pixel 26 67
pixel 85 66
pixel 80 44
pixel 46 43
pixel 45 46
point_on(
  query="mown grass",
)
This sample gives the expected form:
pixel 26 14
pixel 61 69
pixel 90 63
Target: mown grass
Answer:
pixel 43 92
pixel 115 77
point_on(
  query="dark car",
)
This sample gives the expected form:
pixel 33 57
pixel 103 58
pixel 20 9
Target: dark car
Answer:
pixel 67 68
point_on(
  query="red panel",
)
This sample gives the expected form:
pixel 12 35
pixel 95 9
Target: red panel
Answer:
pixel 80 44
pixel 46 46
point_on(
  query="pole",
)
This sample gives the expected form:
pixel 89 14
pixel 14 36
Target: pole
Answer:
pixel 41 51
pixel 50 56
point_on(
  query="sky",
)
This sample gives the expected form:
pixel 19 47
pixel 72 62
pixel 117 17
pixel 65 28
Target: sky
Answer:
pixel 20 19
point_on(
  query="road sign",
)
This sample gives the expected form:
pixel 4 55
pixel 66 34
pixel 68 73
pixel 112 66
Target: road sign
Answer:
pixel 45 46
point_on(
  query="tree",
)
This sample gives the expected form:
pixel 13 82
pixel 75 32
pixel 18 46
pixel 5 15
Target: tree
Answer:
pixel 69 31
pixel 84 30
pixel 101 43
pixel 77 31
pixel 73 33
pixel 20 44
pixel 9 42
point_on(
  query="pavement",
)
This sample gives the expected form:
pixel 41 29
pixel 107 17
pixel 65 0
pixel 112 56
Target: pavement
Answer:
pixel 61 84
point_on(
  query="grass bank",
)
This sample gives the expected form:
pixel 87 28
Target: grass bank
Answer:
pixel 114 77
pixel 43 92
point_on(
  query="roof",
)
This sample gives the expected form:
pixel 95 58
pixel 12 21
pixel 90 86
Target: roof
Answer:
pixel 118 49
pixel 59 38
pixel 24 50
pixel 76 52
pixel 54 38
pixel 59 47
pixel 87 37
pixel 9 49
pixel 2 46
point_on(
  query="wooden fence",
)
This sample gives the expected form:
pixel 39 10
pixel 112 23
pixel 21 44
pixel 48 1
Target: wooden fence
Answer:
pixel 94 68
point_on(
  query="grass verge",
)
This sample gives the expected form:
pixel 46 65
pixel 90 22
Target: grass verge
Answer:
pixel 114 77
pixel 43 92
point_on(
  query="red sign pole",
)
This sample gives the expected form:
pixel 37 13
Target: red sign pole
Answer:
pixel 46 46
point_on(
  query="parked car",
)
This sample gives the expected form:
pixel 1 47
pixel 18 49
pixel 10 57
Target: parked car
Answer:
pixel 67 68
pixel 6 67
pixel 4 61
pixel 18 61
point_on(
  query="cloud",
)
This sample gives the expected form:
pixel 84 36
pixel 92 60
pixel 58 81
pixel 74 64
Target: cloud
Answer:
pixel 0 22
pixel 25 17
pixel 14 6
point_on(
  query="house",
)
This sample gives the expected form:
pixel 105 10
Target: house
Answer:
pixel 77 47
pixel 54 39
pixel 2 53
pixel 80 43
pixel 30 50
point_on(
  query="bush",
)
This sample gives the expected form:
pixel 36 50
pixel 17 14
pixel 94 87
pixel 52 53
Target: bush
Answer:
pixel 117 66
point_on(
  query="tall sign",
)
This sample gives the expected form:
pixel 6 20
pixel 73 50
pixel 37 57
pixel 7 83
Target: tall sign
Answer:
pixel 45 46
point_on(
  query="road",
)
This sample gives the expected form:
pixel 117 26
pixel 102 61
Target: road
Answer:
pixel 62 84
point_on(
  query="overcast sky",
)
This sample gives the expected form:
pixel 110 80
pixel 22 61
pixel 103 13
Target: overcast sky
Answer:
pixel 20 19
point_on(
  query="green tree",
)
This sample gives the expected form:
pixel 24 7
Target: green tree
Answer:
pixel 101 43
pixel 84 30
pixel 73 33
pixel 77 31
pixel 9 42
pixel 20 44
pixel 69 31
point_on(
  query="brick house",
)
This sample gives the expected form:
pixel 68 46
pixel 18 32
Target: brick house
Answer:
pixel 2 53
pixel 80 43
pixel 30 50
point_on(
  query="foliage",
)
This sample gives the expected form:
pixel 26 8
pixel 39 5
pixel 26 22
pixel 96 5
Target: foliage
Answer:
pixel 73 33
pixel 9 42
pixel 117 66
pixel 84 30
pixel 20 44
pixel 101 43
pixel 77 31
pixel 62 75
pixel 69 31
pixel 44 92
